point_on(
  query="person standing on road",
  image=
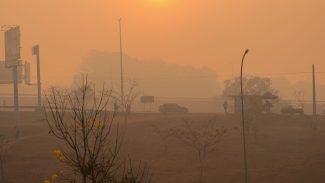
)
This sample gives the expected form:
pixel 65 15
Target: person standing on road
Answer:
pixel 225 106
pixel 267 106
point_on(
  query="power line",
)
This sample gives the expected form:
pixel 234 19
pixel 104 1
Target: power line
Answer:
pixel 215 76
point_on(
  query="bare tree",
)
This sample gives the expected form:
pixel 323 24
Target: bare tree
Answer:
pixel 165 136
pixel 136 174
pixel 131 92
pixel 90 139
pixel 203 139
pixel 88 145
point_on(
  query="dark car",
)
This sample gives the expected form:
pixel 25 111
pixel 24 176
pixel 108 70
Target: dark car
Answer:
pixel 172 107
pixel 292 109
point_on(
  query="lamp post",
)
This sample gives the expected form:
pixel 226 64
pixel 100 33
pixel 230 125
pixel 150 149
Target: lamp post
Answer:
pixel 121 62
pixel 314 93
pixel 243 116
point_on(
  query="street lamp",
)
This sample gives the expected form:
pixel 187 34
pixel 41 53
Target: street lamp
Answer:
pixel 121 62
pixel 243 115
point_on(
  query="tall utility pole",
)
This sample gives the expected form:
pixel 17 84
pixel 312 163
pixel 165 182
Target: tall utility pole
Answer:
pixel 39 87
pixel 15 78
pixel 314 93
pixel 243 117
pixel 121 62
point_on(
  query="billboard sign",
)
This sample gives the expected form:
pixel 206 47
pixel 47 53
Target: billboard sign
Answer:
pixel 147 99
pixel 6 74
pixel 12 46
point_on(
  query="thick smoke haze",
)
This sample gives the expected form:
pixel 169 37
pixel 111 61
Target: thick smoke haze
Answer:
pixel 283 35
pixel 226 91
pixel 154 77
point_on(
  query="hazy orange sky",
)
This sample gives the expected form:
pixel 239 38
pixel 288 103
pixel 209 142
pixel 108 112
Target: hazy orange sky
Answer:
pixel 283 35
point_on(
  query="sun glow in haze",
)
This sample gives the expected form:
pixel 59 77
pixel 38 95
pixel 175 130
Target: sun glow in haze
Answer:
pixel 158 2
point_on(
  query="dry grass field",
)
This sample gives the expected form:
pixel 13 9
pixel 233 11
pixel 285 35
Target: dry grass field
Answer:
pixel 285 149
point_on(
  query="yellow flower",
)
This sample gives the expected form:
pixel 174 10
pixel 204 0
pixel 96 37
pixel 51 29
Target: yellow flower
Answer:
pixel 99 125
pixel 61 158
pixel 58 154
pixel 47 181
pixel 54 177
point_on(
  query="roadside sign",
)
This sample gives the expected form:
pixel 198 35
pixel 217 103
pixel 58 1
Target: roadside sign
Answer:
pixel 147 99
pixel 12 46
pixel 6 74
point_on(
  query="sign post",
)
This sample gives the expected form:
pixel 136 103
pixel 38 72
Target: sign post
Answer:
pixel 39 88
pixel 12 58
pixel 15 77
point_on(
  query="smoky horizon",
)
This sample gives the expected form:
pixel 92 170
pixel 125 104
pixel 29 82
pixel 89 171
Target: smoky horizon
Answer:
pixel 162 91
